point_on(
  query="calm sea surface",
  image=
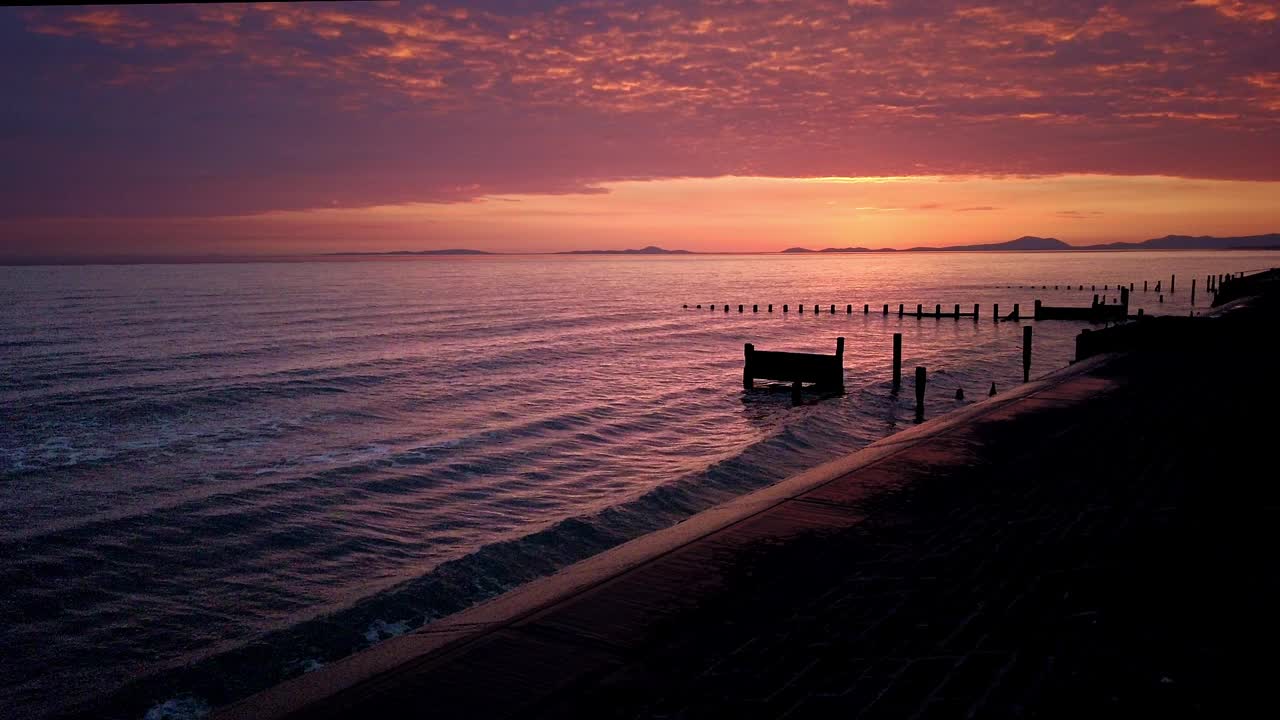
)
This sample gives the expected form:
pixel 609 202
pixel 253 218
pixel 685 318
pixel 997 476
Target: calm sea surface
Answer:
pixel 214 477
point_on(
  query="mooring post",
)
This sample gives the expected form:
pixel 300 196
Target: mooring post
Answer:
pixel 920 383
pixel 1026 353
pixel 1037 311
pixel 747 380
pixel 995 312
pixel 897 361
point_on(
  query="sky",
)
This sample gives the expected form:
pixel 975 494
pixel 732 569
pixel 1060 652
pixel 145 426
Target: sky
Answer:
pixel 712 126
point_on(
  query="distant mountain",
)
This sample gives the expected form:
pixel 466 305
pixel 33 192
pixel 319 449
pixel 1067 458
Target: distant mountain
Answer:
pixel 1194 242
pixel 1032 243
pixel 453 251
pixel 1026 242
pixel 650 250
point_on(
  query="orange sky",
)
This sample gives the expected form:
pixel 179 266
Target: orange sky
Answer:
pixel 706 125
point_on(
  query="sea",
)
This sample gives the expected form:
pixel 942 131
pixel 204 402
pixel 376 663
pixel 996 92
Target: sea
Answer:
pixel 217 476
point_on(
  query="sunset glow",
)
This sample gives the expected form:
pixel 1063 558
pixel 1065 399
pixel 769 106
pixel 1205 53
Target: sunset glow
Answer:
pixel 715 126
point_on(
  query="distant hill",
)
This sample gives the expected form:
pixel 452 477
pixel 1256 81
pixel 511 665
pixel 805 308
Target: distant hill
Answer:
pixel 1026 242
pixel 1194 242
pixel 650 250
pixel 453 251
pixel 1033 243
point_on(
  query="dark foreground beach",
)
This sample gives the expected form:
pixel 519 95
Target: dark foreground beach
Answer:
pixel 1101 541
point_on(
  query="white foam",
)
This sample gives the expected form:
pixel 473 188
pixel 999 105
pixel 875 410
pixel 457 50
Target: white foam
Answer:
pixel 180 708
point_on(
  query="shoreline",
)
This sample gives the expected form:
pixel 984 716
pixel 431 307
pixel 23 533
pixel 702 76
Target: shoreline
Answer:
pixel 474 624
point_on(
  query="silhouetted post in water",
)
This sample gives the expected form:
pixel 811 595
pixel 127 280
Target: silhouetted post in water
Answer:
pixel 1037 311
pixel 1015 311
pixel 1173 280
pixel 795 392
pixel 1124 299
pixel 886 309
pixel 1095 301
pixel 1162 298
pixel 686 307
pixel 833 309
pixel 957 311
pixel 726 308
pixel 1139 312
pixel 897 361
pixel 995 312
pixel 818 310
pixel 784 308
pixel 770 307
pixel 1026 353
pixel 748 382
pixel 919 310
pixel 1158 285
pixel 866 308
pixel 1193 291
pixel 992 393
pixel 739 308
pixel 960 392
pixel 920 382
pixel 755 308
pixel 899 309
pixel 937 310
pixel 848 309
pixel 1093 287
pixel 975 312
pixel 1144 286
pixel 800 308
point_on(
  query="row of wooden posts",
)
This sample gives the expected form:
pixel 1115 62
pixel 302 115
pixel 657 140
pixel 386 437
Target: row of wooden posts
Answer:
pixel 1211 284
pixel 902 311
pixel 827 371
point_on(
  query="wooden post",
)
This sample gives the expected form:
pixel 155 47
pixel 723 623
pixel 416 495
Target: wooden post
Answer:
pixel 748 381
pixel 899 309
pixel 848 309
pixel 1037 315
pixel 1162 298
pixel 957 311
pixel 1130 287
pixel 1193 291
pixel 800 307
pixel 937 310
pixel 866 308
pixel 920 383
pixel 1124 300
pixel 817 310
pixel 833 309
pixel 1095 301
pixel 1144 286
pixel 897 361
pixel 739 308
pixel 1016 316
pixel 1173 280
pixel 770 307
pixel 755 308
pixel 995 312
pixel 886 309
pixel 1026 353
pixel 784 308
pixel 992 393
pixel 975 312
pixel 919 309
pixel 726 308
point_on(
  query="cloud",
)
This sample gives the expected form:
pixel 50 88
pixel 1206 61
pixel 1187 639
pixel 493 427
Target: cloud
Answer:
pixel 232 109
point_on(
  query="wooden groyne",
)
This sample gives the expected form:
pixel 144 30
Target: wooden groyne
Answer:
pixel 824 371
